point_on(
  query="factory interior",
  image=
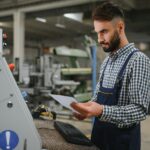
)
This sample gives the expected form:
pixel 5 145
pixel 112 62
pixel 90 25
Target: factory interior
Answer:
pixel 51 49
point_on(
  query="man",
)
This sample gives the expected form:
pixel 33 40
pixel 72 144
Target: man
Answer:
pixel 122 94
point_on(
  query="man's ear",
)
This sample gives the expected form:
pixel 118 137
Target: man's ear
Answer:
pixel 121 26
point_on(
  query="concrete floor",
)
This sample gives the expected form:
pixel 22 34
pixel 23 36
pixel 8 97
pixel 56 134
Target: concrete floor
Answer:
pixel 145 132
pixel 86 126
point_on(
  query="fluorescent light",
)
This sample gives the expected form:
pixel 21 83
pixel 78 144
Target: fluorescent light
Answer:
pixel 1 24
pixel 75 16
pixel 60 25
pixel 41 19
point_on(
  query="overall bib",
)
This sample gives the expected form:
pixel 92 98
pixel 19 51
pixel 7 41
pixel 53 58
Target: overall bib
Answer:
pixel 108 136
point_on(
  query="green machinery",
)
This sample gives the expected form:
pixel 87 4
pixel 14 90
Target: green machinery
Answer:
pixel 77 71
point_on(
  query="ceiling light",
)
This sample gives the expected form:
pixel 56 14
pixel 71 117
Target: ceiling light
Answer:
pixel 60 25
pixel 41 19
pixel 1 24
pixel 75 16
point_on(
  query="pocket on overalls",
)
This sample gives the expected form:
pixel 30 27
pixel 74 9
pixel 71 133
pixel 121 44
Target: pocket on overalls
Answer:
pixel 123 140
pixel 104 97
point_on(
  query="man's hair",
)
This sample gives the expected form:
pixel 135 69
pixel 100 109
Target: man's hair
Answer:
pixel 107 11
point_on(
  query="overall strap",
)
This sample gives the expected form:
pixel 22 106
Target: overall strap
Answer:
pixel 102 76
pixel 118 84
pixel 120 74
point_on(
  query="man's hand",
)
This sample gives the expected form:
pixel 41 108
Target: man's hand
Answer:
pixel 88 109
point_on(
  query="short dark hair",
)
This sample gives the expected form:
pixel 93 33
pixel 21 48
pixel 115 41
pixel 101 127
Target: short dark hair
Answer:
pixel 107 11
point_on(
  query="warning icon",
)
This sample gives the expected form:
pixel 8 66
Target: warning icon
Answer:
pixel 8 140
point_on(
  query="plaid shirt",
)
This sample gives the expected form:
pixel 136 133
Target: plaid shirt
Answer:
pixel 134 95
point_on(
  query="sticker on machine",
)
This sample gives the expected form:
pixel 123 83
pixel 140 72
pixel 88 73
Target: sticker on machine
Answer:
pixel 8 140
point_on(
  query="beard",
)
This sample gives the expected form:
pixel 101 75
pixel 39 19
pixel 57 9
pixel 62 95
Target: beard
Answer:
pixel 114 43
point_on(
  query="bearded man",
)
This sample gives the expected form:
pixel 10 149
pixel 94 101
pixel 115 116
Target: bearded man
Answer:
pixel 121 98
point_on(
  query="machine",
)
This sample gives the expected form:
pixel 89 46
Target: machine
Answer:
pixel 64 71
pixel 17 129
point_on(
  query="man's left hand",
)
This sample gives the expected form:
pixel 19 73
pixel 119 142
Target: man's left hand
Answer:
pixel 88 109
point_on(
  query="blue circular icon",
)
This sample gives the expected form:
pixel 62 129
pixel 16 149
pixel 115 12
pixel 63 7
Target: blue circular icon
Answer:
pixel 8 140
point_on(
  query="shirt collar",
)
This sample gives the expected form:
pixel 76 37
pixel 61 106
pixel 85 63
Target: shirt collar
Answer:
pixel 122 51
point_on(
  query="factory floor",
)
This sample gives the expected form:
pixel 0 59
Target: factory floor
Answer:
pixel 85 127
pixel 145 131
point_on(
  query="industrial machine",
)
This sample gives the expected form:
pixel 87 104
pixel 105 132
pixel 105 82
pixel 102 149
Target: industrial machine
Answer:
pixel 64 71
pixel 60 69
pixel 17 130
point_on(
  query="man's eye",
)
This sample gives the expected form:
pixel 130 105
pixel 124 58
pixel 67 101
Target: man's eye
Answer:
pixel 105 31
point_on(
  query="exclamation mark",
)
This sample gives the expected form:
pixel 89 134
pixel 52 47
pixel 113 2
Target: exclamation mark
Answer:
pixel 7 140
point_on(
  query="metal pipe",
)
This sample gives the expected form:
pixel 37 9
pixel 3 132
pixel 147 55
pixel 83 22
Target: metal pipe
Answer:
pixel 94 61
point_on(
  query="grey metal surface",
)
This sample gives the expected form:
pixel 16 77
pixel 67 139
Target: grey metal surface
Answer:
pixel 14 113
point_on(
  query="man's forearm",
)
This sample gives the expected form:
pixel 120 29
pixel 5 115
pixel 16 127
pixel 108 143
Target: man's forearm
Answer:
pixel 123 115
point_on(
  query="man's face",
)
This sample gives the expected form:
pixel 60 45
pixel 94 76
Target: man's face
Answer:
pixel 108 35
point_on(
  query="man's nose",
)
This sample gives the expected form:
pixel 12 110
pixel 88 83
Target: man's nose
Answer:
pixel 100 39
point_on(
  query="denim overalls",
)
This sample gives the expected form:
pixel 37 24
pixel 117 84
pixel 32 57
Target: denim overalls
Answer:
pixel 108 136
